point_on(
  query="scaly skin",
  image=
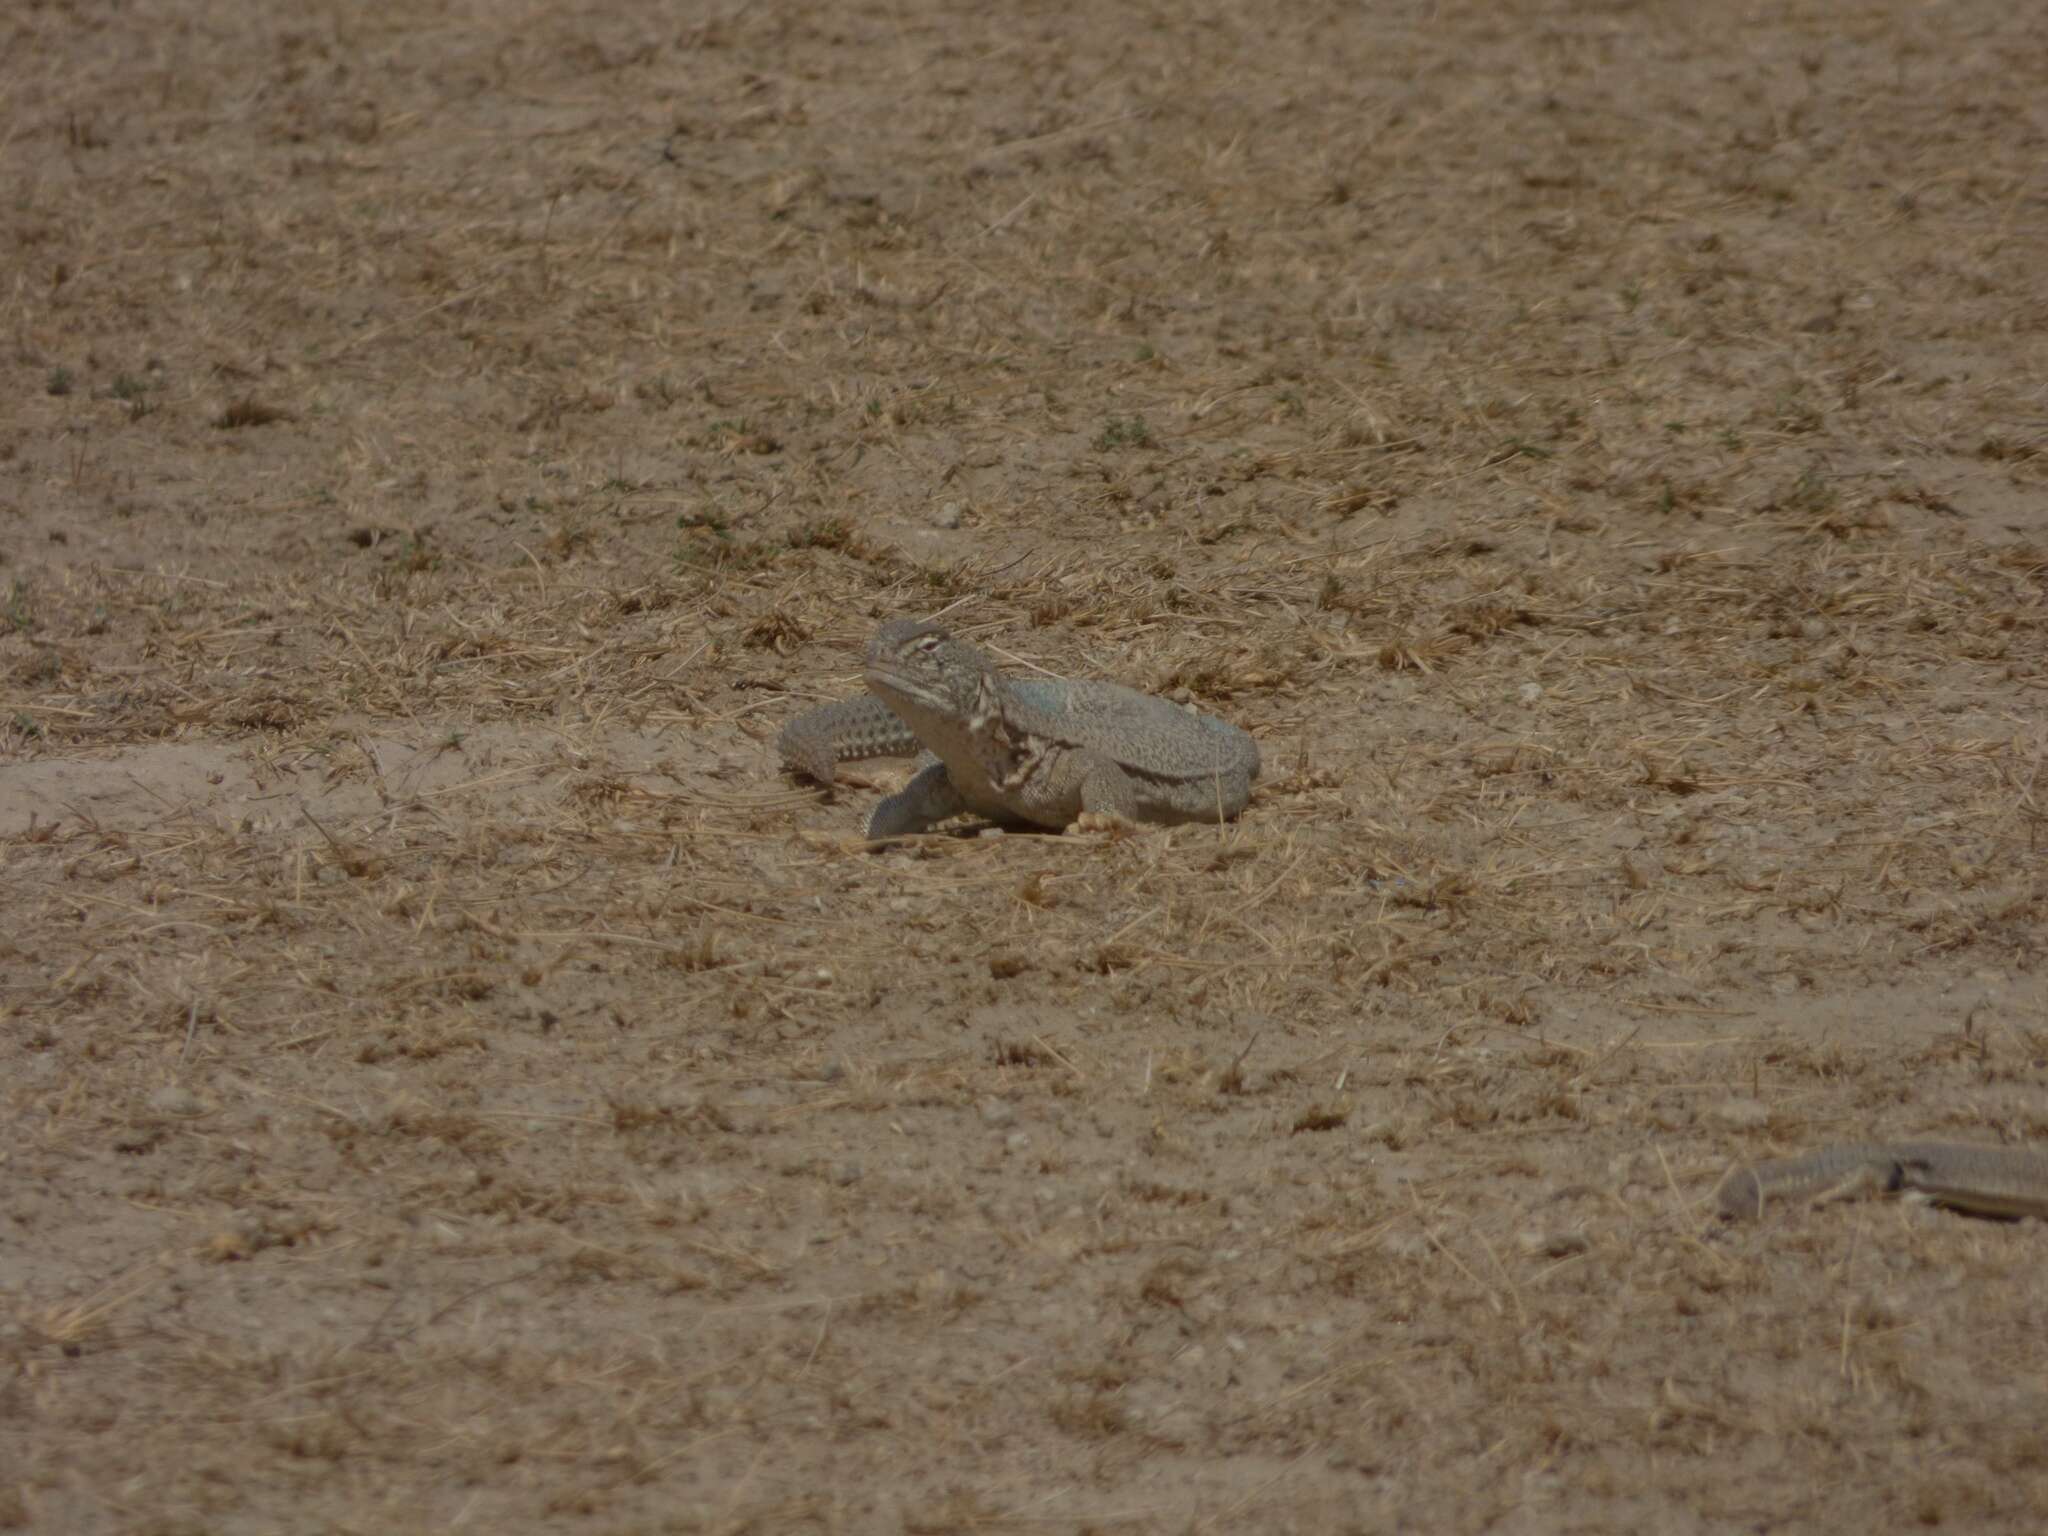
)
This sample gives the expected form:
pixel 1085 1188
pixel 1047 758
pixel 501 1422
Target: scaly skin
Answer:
pixel 1037 751
pixel 1982 1180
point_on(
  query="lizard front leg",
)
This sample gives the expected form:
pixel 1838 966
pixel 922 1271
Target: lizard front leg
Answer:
pixel 1110 797
pixel 928 799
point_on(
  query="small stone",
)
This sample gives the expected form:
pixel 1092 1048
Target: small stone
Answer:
pixel 1018 1141
pixel 1404 1245
pixel 1780 173
pixel 1553 1245
pixel 996 1114
pixel 176 1099
pixel 847 1173
pixel 1741 1115
pixel 949 515
pixel 1625 1168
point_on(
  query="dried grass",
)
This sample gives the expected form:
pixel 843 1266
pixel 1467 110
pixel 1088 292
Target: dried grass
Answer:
pixel 1604 473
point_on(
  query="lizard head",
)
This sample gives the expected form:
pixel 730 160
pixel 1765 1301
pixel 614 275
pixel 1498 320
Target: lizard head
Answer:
pixel 953 698
pixel 923 667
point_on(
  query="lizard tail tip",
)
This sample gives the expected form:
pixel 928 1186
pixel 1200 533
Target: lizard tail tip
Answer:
pixel 1740 1194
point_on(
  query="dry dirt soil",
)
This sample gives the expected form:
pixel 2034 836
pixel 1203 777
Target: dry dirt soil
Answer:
pixel 454 1079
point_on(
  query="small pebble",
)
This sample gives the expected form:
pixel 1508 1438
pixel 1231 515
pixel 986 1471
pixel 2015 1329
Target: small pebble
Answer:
pixel 176 1099
pixel 1553 1245
pixel 1403 1245
pixel 1741 1114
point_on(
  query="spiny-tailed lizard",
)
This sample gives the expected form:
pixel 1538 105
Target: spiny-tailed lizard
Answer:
pixel 1982 1180
pixel 1047 752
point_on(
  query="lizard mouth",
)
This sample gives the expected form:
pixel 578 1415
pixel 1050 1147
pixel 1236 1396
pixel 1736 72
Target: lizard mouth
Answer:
pixel 892 683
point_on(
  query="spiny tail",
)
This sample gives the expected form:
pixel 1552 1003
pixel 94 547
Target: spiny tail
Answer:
pixel 848 731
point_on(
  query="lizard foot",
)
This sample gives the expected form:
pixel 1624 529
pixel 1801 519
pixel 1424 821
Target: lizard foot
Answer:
pixel 1102 821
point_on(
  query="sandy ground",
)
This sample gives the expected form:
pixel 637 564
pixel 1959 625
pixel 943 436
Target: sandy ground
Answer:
pixel 453 1079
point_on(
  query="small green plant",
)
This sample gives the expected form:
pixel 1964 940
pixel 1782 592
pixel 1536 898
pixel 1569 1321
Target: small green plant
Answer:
pixel 1810 493
pixel 133 393
pixel 661 392
pixel 1797 415
pixel 825 533
pixel 718 553
pixel 59 382
pixel 19 613
pixel 1124 433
